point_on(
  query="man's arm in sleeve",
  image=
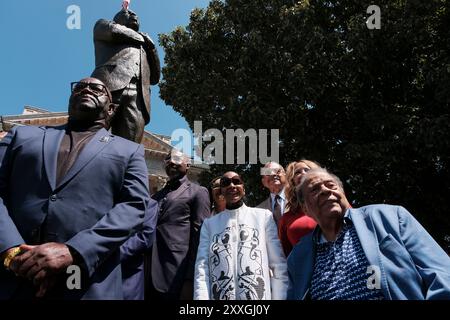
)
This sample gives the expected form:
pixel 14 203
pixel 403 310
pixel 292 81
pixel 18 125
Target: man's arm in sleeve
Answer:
pixel 430 259
pixel 9 235
pixel 114 228
pixel 277 262
pixel 142 240
pixel 200 210
pixel 110 31
pixel 201 277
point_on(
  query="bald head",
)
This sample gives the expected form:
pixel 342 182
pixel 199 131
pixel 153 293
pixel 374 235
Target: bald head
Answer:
pixel 176 164
pixel 128 19
pixel 90 101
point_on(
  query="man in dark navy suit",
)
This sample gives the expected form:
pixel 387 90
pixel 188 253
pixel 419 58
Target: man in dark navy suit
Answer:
pixel 183 206
pixel 132 254
pixel 69 195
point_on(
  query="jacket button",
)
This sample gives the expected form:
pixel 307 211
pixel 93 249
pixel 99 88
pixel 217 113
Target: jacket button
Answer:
pixel 53 197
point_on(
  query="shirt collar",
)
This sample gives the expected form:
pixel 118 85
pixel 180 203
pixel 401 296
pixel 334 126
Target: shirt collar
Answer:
pixel 318 236
pixel 281 194
pixel 175 183
pixel 237 210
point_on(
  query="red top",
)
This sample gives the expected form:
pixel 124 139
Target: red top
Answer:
pixel 292 227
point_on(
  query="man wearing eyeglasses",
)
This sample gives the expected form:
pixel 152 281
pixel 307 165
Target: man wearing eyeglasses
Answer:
pixel 274 180
pixel 239 256
pixel 183 206
pixel 69 195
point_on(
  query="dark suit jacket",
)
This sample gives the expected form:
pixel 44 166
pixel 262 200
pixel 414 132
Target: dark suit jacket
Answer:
pixel 120 54
pixel 95 208
pixel 181 213
pixel 132 255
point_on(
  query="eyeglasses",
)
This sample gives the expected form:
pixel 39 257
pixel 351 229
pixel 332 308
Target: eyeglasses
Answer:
pixel 272 171
pixel 225 182
pixel 96 88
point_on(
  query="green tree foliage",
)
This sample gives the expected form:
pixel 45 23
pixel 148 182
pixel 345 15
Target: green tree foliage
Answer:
pixel 371 105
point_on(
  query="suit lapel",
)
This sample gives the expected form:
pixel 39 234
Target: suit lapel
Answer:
pixel 268 204
pixel 100 140
pixel 173 196
pixel 183 187
pixel 367 237
pixel 363 227
pixel 52 141
pixel 305 257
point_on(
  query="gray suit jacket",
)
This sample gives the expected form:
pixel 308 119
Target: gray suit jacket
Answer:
pixel 266 204
pixel 121 54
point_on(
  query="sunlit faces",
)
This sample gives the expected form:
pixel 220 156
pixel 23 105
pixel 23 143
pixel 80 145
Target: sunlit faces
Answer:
pixel 232 187
pixel 300 169
pixel 176 164
pixel 90 101
pixel 218 198
pixel 323 197
pixel 274 177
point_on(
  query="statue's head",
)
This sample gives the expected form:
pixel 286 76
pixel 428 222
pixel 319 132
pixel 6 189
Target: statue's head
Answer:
pixel 91 101
pixel 127 18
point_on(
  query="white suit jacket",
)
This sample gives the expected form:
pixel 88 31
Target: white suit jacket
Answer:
pixel 240 257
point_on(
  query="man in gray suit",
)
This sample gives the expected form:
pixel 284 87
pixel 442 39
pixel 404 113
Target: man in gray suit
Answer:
pixel 127 62
pixel 274 179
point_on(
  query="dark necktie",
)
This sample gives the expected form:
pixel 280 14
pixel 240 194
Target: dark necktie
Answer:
pixel 277 209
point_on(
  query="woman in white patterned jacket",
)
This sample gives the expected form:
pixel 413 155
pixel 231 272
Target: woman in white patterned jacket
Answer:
pixel 240 255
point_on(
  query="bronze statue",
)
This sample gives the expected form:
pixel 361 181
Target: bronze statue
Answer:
pixel 127 62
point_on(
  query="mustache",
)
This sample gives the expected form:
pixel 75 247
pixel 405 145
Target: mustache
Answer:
pixel 81 96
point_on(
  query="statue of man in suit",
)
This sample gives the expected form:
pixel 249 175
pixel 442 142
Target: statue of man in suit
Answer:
pixel 126 60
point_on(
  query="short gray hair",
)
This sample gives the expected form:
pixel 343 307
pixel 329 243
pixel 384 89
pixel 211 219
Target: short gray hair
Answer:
pixel 299 188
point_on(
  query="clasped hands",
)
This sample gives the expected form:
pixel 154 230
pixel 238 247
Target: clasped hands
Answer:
pixel 41 264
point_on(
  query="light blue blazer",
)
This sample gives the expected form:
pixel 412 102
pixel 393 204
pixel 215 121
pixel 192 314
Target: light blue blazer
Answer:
pixel 412 265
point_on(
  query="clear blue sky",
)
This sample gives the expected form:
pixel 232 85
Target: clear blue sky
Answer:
pixel 40 56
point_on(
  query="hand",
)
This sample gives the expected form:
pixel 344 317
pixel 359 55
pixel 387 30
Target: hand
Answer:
pixel 45 285
pixel 41 263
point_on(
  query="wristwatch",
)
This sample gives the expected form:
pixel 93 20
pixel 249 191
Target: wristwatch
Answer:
pixel 10 255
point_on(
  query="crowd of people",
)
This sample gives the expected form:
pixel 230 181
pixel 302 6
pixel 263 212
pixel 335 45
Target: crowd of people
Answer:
pixel 77 195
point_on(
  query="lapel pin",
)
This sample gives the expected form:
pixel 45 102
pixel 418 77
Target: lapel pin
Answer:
pixel 105 139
